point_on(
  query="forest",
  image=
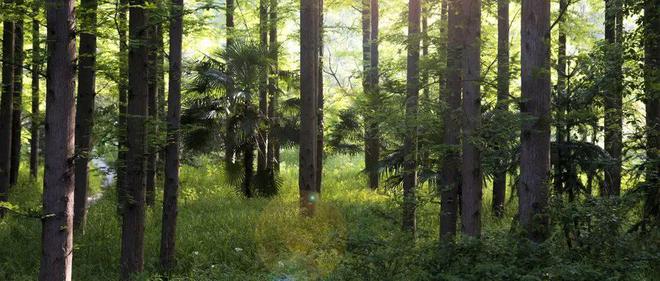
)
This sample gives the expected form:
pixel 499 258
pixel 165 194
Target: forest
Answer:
pixel 330 140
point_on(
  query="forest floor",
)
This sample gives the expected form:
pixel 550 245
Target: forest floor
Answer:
pixel 354 236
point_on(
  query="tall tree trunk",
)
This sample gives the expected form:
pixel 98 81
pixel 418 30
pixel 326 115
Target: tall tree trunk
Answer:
pixel 499 179
pixel 412 101
pixel 16 119
pixel 122 138
pixel 57 225
pixel 450 182
pixel 562 100
pixel 34 118
pixel 309 90
pixel 85 108
pixel 6 107
pixel 273 143
pixel 471 165
pixel 248 162
pixel 535 140
pixel 230 142
pixel 613 99
pixel 369 164
pixel 319 141
pixel 652 100
pixel 372 131
pixel 152 128
pixel 132 246
pixel 171 190
pixel 262 135
pixel 426 43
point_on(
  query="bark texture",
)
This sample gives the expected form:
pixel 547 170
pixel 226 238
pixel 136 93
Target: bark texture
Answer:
pixel 652 101
pixel 6 107
pixel 152 124
pixel 17 110
pixel 499 179
pixel 58 196
pixel 123 98
pixel 613 97
pixel 535 139
pixel 34 118
pixel 273 92
pixel 372 130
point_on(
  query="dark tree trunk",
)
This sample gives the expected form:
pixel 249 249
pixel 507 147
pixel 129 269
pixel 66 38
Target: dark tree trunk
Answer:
pixel 471 165
pixel 652 101
pixel 132 246
pixel 85 108
pixel 319 141
pixel 6 107
pixel 372 131
pixel 122 141
pixel 309 90
pixel 34 120
pixel 613 98
pixel 57 224
pixel 562 100
pixel 366 83
pixel 248 162
pixel 171 190
pixel 273 143
pixel 424 75
pixel 412 101
pixel 499 179
pixel 262 135
pixel 535 140
pixel 450 182
pixel 16 119
pixel 230 142
pixel 152 127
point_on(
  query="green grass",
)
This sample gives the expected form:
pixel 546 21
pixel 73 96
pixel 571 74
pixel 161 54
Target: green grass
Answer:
pixel 355 236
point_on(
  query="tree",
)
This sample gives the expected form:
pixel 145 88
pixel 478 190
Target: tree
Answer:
pixel 613 96
pixel 230 142
pixel 6 107
pixel 85 108
pixel 499 179
pixel 309 84
pixel 535 139
pixel 34 118
pixel 273 153
pixel 651 24
pixel 17 110
pixel 171 190
pixel 372 132
pixel 153 90
pixel 410 140
pixel 471 165
pixel 122 88
pixel 450 180
pixel 262 136
pixel 320 103
pixel 58 194
pixel 132 244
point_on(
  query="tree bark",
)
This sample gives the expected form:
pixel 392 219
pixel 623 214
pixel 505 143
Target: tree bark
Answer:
pixel 85 108
pixel 122 141
pixel 152 127
pixel 6 108
pixel 450 181
pixel 171 189
pixel 499 179
pixel 372 130
pixel 652 100
pixel 273 118
pixel 34 120
pixel 319 141
pixel 613 98
pixel 58 196
pixel 262 135
pixel 230 142
pixel 16 120
pixel 535 140
pixel 409 223
pixel 309 90
pixel 132 246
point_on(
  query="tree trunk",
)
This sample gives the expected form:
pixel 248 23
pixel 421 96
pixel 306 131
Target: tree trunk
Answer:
pixel 122 141
pixel 535 140
pixel 273 143
pixel 562 100
pixel 471 166
pixel 85 108
pixel 613 98
pixel 652 101
pixel 34 120
pixel 152 124
pixel 369 164
pixel 16 120
pixel 450 181
pixel 410 141
pixel 6 107
pixel 372 131
pixel 499 179
pixel 309 90
pixel 132 247
pixel 230 142
pixel 262 135
pixel 319 141
pixel 171 190
pixel 58 196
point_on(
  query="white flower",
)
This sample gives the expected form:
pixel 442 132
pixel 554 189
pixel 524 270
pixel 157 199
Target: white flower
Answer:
pixel 196 253
pixel 237 249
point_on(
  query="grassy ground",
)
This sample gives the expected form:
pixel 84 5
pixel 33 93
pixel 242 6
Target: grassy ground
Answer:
pixel 355 236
